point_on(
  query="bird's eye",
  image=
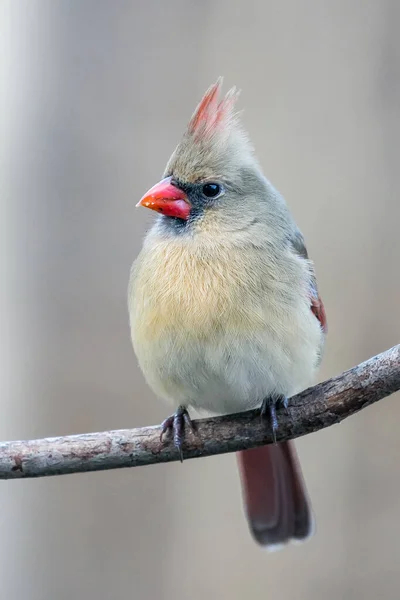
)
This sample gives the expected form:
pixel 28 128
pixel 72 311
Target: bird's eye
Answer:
pixel 211 190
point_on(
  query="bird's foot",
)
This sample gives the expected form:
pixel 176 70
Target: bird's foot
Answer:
pixel 268 410
pixel 176 424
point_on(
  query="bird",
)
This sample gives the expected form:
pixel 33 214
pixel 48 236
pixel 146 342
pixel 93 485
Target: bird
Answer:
pixel 224 308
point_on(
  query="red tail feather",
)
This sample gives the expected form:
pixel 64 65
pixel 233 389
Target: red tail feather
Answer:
pixel 274 493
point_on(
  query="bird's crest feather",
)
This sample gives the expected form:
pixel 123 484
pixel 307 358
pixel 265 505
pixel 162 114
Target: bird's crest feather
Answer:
pixel 212 114
pixel 214 144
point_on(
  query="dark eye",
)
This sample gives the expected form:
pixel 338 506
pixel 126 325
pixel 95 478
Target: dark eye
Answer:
pixel 211 190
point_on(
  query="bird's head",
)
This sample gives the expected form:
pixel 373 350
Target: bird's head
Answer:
pixel 212 182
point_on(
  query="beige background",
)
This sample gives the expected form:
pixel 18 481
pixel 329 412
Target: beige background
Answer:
pixel 94 96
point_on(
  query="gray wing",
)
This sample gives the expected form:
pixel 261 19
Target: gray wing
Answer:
pixel 316 304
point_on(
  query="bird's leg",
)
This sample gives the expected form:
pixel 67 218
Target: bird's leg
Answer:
pixel 176 423
pixel 268 409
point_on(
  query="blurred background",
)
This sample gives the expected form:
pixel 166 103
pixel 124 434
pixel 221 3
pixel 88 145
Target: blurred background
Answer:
pixel 94 96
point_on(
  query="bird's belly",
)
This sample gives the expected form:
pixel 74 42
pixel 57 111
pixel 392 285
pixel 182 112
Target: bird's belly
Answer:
pixel 228 372
pixel 215 337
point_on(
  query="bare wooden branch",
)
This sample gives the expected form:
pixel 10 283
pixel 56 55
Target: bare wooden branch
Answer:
pixel 321 406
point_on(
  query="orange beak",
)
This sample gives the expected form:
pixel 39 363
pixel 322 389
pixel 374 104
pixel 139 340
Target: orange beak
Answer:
pixel 167 199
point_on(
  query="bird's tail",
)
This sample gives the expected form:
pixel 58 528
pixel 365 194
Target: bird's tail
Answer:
pixel 274 493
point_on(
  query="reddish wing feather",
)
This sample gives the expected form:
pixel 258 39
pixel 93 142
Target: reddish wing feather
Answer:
pixel 317 307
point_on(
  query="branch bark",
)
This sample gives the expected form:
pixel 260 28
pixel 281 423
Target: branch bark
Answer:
pixel 321 406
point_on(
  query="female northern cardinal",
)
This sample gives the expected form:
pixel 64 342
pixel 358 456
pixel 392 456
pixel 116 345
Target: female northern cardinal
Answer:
pixel 224 309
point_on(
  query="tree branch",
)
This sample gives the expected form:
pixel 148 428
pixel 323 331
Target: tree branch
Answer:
pixel 321 406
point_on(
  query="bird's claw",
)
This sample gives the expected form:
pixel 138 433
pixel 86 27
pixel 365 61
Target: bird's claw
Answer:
pixel 268 410
pixel 176 423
